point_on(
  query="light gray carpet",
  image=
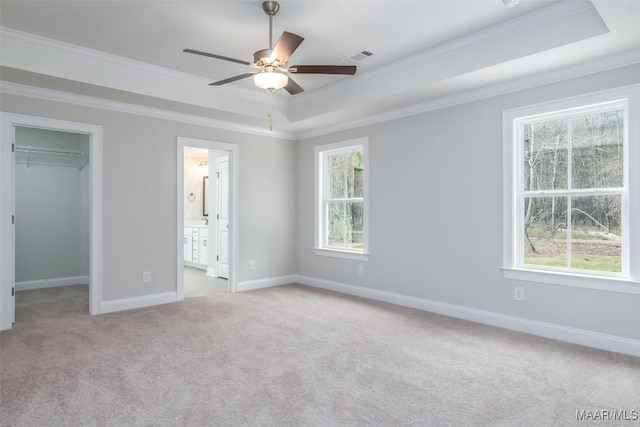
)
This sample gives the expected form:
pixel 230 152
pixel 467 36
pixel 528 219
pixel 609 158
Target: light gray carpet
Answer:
pixel 51 303
pixel 296 356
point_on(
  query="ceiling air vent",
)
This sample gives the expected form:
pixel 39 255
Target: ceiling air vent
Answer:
pixel 359 56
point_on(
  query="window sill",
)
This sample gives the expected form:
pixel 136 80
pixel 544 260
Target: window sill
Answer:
pixel 611 284
pixel 337 253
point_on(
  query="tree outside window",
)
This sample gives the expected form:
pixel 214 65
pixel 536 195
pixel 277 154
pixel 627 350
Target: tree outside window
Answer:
pixel 572 189
pixel 344 201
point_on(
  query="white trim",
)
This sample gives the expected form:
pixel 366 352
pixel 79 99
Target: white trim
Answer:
pixel 602 283
pixel 488 91
pixel 123 107
pixel 522 37
pixel 51 283
pixel 234 194
pixel 338 253
pixel 211 272
pixel 533 327
pixel 195 265
pixel 7 247
pixel 484 92
pixel 42 55
pixel 250 285
pixel 137 302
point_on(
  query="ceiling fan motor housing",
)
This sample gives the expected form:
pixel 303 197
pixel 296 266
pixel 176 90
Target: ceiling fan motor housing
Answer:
pixel 262 57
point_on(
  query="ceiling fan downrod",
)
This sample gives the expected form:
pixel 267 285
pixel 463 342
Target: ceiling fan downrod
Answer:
pixel 270 8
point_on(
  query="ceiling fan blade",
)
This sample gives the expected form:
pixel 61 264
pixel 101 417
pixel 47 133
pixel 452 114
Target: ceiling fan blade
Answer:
pixel 287 44
pixel 293 88
pixel 323 69
pixel 211 55
pixel 231 79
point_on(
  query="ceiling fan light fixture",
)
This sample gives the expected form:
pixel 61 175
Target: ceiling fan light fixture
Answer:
pixel 270 80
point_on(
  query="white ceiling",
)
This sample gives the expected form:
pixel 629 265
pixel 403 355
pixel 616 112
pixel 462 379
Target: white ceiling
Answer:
pixel 131 51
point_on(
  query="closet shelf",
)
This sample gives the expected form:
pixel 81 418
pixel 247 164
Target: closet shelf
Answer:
pixel 73 154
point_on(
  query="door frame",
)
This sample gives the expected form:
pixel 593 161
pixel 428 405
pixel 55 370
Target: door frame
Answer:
pixel 234 163
pixel 7 207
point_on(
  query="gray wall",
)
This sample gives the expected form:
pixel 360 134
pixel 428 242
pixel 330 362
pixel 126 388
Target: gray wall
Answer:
pixel 436 214
pixel 52 221
pixel 139 196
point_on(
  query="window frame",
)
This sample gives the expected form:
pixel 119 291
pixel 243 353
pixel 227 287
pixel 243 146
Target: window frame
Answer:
pixel 322 199
pixel 628 280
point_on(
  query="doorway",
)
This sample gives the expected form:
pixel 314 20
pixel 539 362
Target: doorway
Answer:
pixel 207 209
pixel 15 154
pixel 52 227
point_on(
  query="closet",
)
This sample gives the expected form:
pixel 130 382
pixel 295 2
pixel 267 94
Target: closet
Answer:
pixel 52 205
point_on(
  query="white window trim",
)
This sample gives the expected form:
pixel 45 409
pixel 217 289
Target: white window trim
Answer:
pixel 629 280
pixel 320 150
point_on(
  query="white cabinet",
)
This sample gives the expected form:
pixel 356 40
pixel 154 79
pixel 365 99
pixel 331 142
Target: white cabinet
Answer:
pixel 203 246
pixel 188 244
pixel 196 246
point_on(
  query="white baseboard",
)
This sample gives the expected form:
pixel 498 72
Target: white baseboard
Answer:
pixel 211 272
pixel 51 283
pixel 548 330
pixel 137 302
pixel 195 265
pixel 266 283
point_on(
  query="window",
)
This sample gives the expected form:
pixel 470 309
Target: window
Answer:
pixel 341 199
pixel 572 209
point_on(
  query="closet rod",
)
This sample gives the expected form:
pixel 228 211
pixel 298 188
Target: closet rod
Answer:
pixel 44 150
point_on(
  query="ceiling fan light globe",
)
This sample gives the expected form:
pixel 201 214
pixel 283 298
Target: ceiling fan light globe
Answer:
pixel 270 80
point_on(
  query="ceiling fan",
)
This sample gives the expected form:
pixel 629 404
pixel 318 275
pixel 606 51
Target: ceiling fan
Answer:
pixel 272 62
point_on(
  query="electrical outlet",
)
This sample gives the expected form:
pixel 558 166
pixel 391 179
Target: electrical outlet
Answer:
pixel 360 270
pixel 518 293
pixel 252 265
pixel 146 277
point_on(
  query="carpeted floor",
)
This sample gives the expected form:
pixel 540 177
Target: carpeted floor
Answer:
pixel 297 356
pixel 51 303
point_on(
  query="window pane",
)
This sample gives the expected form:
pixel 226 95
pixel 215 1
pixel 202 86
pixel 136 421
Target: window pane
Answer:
pixel 344 224
pixel 345 174
pixel 545 231
pixel 595 233
pixel 597 150
pixel 336 175
pixel 545 155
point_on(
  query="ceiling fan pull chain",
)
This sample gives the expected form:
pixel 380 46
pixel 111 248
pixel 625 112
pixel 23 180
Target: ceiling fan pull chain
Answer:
pixel 270 120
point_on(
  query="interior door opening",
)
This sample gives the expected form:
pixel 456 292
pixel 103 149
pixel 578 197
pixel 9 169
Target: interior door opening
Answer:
pixel 205 235
pixel 52 208
pixel 51 192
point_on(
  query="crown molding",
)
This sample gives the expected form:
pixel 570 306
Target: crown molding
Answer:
pixel 592 67
pixel 605 64
pixel 46 56
pixel 52 57
pixel 122 107
pixel 544 29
